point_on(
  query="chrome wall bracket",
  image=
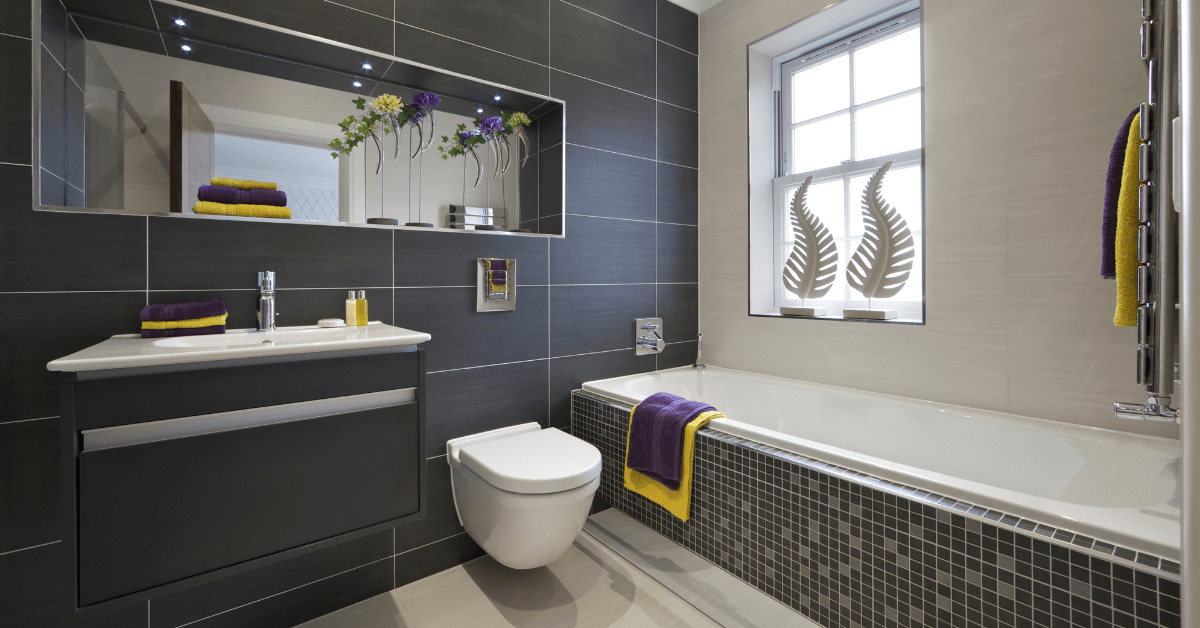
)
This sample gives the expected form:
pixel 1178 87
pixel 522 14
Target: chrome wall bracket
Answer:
pixel 648 336
pixel 496 285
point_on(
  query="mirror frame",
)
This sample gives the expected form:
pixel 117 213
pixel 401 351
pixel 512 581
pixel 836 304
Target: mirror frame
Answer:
pixel 35 114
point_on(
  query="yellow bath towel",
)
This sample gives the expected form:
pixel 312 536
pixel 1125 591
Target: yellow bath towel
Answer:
pixel 678 503
pixel 241 184
pixel 253 211
pixel 191 323
pixel 1126 248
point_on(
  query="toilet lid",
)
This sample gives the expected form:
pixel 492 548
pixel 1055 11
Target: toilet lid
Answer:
pixel 546 461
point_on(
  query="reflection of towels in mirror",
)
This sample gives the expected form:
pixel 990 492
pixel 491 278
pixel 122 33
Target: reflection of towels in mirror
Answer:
pixel 242 184
pixel 234 196
pixel 251 211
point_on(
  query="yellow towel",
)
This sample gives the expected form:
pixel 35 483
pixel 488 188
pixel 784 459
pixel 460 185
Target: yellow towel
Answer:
pixel 241 184
pixel 191 323
pixel 678 503
pixel 253 211
pixel 1127 228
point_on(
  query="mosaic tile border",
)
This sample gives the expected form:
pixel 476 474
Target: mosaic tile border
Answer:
pixel 849 554
pixel 1141 560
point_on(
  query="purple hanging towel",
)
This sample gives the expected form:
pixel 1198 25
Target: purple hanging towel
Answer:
pixel 656 436
pixel 1112 190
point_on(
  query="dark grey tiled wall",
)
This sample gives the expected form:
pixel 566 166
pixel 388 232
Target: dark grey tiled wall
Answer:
pixel 70 280
pixel 848 554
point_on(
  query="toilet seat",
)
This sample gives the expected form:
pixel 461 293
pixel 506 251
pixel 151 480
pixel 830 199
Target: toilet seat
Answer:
pixel 533 463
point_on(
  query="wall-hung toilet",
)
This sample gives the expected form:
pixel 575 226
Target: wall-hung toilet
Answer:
pixel 523 493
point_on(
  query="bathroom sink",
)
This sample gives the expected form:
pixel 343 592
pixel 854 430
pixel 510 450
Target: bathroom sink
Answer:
pixel 133 351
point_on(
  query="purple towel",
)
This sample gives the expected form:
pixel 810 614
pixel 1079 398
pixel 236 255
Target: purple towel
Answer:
pixel 233 196
pixel 194 331
pixel 656 436
pixel 183 311
pixel 1112 192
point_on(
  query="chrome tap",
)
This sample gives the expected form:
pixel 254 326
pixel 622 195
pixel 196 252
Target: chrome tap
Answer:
pixel 266 301
pixel 699 366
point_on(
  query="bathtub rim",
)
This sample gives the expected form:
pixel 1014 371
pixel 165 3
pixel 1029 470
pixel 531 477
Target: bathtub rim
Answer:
pixel 904 480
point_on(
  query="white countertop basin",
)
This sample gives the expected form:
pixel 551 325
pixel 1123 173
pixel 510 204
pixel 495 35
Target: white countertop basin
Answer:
pixel 133 351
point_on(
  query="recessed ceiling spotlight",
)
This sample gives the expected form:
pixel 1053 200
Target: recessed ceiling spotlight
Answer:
pixel 366 66
pixel 180 23
pixel 186 48
pixel 357 84
pixel 479 110
pixel 497 98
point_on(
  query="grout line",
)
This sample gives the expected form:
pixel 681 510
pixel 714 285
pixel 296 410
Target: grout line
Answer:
pixel 634 156
pixel 473 45
pixel 43 418
pixel 9 163
pixel 650 222
pixel 29 548
pixel 147 260
pixel 17 36
pixel 484 366
pixel 630 91
pixel 346 6
pixel 614 21
pixel 428 544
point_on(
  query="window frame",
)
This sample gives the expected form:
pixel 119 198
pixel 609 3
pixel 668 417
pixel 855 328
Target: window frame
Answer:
pixel 786 66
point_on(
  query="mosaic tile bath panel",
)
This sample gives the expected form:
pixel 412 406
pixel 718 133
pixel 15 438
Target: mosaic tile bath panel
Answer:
pixel 850 551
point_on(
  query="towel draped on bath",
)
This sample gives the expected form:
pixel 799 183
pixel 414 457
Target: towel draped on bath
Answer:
pixel 1126 247
pixel 656 434
pixel 678 502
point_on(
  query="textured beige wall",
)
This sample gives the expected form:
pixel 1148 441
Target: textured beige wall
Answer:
pixel 1023 99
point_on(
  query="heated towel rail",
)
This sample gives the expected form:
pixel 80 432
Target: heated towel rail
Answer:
pixel 1158 233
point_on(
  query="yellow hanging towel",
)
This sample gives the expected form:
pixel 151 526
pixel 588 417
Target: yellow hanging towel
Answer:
pixel 678 502
pixel 1126 248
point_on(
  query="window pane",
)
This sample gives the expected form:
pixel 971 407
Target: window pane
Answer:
pixel 820 144
pixel 890 66
pixel 888 127
pixel 821 89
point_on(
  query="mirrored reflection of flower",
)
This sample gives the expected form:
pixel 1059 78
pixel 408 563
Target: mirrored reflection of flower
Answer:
pixel 517 119
pixel 424 101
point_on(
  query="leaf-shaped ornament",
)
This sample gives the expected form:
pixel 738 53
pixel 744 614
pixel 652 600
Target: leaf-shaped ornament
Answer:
pixel 883 260
pixel 812 265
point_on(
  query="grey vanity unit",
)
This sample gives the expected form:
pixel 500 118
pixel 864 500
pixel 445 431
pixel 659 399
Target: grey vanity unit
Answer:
pixel 179 475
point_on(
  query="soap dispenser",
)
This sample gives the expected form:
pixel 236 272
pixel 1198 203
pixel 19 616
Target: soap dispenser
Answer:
pixel 351 310
pixel 360 310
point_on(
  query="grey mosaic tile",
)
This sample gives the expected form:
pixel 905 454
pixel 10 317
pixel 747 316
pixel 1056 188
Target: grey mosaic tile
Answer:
pixel 851 551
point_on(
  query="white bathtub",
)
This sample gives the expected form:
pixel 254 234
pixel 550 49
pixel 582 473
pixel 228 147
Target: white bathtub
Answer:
pixel 1116 487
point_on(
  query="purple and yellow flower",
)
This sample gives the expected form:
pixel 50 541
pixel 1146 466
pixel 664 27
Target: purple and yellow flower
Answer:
pixel 489 126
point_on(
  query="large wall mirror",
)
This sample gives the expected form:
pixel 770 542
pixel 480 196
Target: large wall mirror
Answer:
pixel 157 108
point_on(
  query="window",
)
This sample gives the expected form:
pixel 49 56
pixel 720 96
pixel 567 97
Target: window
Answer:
pixel 846 109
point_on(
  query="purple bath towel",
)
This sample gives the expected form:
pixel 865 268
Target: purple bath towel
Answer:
pixel 171 333
pixel 233 196
pixel 656 436
pixel 183 312
pixel 1112 191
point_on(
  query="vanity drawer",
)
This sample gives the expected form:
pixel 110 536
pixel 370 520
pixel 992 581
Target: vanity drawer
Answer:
pixel 225 388
pixel 161 511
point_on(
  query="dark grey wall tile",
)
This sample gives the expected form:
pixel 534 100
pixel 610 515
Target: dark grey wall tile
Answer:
pixel 551 224
pixel 294 307
pixel 53 189
pixel 382 8
pixel 308 602
pixel 16 99
pixel 476 400
pixel 315 17
pixel 76 56
pixel 618 56
pixel 636 14
pixel 678 136
pixel 678 26
pixel 463 337
pixel 54 29
pixel 138 13
pixel 516 27
pixel 550 127
pixel 603 250
pixel 121 35
pixel 71 321
pixel 202 254
pixel 32 584
pixel 15 18
pixel 206 600
pixel 677 76
pixel 584 319
pixel 426 561
pixel 550 187
pixel 569 373
pixel 681 354
pixel 132 616
pixel 608 184
pixel 678 194
pixel 530 188
pixel 443 52
pixel 679 307
pixel 677 254
pixel 75 132
pixel 29 512
pixel 52 117
pixel 442 520
pixel 604 117
pixel 449 259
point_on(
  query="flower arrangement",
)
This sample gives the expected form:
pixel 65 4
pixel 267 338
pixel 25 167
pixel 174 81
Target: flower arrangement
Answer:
pixel 386 114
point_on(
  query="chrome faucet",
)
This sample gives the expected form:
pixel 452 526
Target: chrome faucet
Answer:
pixel 699 366
pixel 266 301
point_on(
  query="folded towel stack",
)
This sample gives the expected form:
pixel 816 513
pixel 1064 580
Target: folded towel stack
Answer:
pixel 660 448
pixel 235 197
pixel 199 318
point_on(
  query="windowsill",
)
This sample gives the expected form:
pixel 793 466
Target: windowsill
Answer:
pixel 893 321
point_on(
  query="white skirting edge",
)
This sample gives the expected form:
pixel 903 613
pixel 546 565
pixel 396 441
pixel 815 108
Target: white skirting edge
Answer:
pixel 710 589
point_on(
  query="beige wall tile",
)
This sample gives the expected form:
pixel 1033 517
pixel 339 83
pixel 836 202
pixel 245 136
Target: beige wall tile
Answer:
pixel 1054 226
pixel 1053 39
pixel 964 51
pixel 1085 403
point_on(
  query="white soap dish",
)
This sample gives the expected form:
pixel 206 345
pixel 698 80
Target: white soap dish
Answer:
pixel 331 322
